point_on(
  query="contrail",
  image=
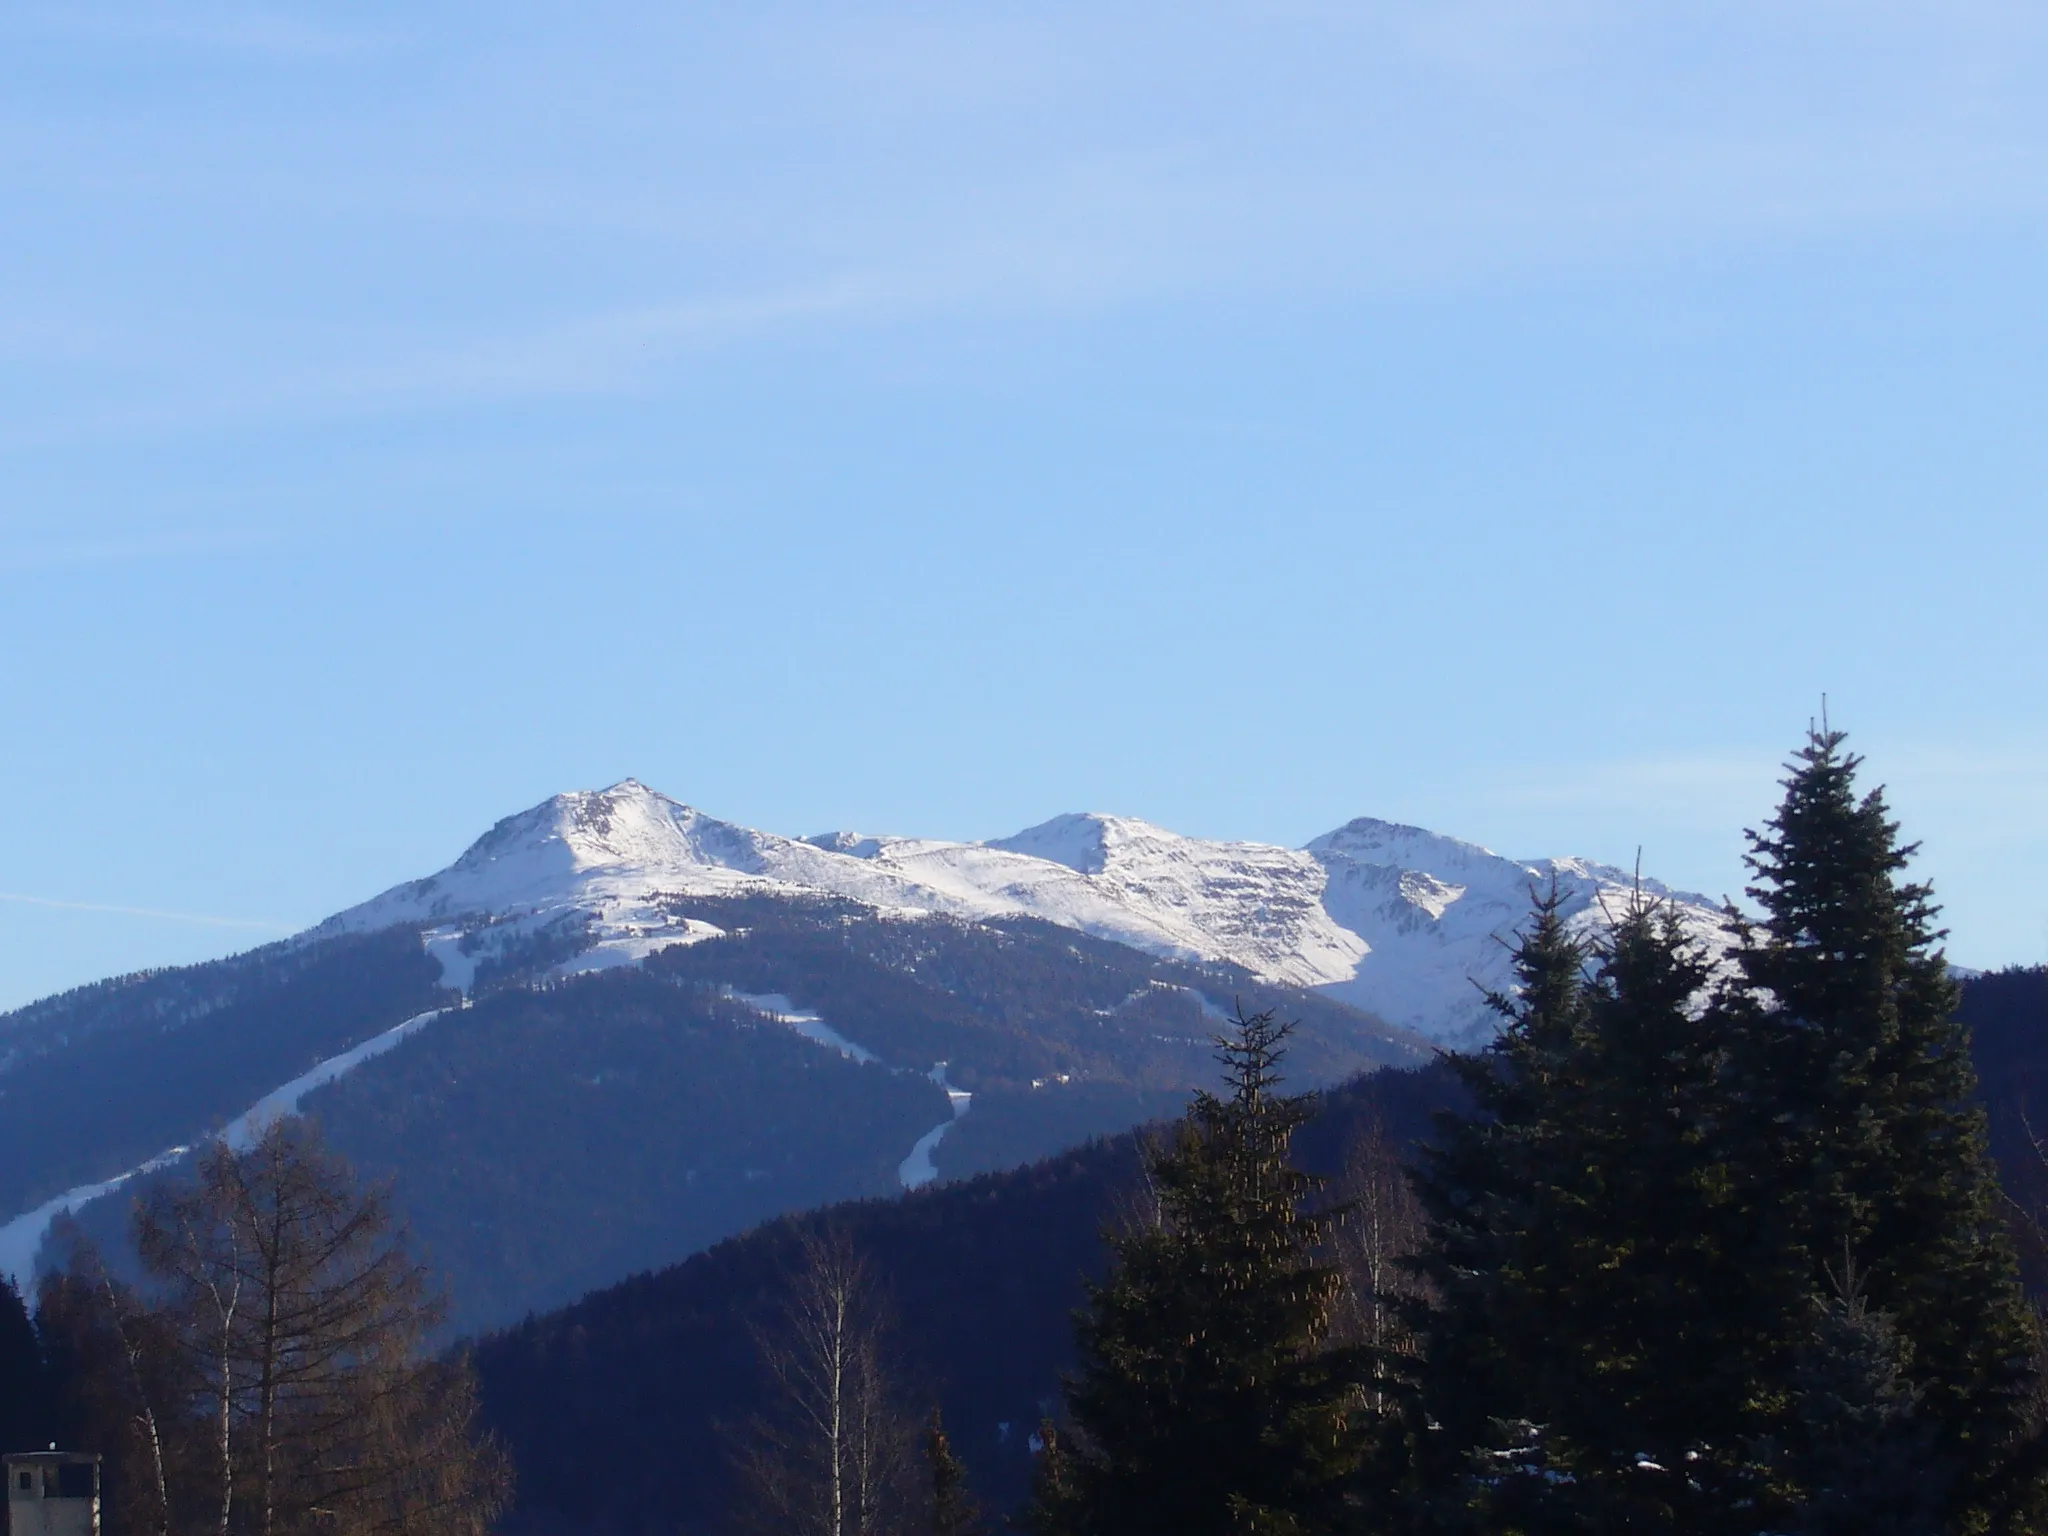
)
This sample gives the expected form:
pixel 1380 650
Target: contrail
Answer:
pixel 176 917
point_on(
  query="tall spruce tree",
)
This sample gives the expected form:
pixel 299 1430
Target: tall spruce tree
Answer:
pixel 1207 1401
pixel 1582 1365
pixel 954 1510
pixel 1866 1140
pixel 1867 1459
pixel 24 1408
pixel 1481 1186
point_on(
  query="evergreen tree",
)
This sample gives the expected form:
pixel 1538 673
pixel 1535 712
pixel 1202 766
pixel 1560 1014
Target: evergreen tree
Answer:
pixel 954 1512
pixel 1208 1401
pixel 1480 1186
pixel 23 1393
pixel 1866 1140
pixel 1868 1454
pixel 1586 1345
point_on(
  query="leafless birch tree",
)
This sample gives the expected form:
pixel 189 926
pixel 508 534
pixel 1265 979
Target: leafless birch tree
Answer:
pixel 833 1452
pixel 1382 1226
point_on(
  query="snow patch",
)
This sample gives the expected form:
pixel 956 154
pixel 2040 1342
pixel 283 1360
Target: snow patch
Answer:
pixel 634 946
pixel 918 1169
pixel 22 1238
pixel 247 1128
pixel 458 969
pixel 852 844
pixel 803 1021
pixel 959 1098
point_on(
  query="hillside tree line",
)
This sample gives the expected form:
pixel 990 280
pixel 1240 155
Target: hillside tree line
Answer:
pixel 266 1374
pixel 1708 1250
pixel 1707 1244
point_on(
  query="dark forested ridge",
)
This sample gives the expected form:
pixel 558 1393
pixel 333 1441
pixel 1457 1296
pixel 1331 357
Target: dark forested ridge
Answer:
pixel 554 1137
pixel 95 1080
pixel 982 1277
pixel 558 1134
pixel 2007 1013
pixel 1012 1000
pixel 546 1142
pixel 1058 1036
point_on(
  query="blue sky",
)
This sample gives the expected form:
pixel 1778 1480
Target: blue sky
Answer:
pixel 1510 418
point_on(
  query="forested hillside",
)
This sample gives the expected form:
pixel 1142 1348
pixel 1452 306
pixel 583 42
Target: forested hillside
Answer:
pixel 561 1132
pixel 981 1278
pixel 1059 1036
pixel 2007 1013
pixel 96 1080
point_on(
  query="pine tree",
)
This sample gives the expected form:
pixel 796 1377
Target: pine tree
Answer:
pixel 1480 1186
pixel 1650 1290
pixel 1866 1137
pixel 1868 1454
pixel 954 1512
pixel 1055 1506
pixel 23 1400
pixel 1581 1362
pixel 1208 1401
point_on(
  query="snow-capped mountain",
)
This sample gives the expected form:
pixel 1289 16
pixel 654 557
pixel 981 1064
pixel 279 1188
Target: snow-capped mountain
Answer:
pixel 815 1015
pixel 1392 919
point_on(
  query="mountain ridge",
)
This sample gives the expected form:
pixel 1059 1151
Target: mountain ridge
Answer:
pixel 1394 919
pixel 1063 981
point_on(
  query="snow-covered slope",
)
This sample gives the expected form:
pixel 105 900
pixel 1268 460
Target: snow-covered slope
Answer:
pixel 1432 912
pixel 1392 919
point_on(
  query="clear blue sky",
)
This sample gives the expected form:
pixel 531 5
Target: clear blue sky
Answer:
pixel 1505 417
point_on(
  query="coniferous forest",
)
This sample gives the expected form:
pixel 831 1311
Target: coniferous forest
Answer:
pixel 1735 1242
pixel 1698 1243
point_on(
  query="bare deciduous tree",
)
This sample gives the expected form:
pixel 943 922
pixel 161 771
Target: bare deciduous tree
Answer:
pixel 111 1366
pixel 300 1318
pixel 833 1453
pixel 1382 1226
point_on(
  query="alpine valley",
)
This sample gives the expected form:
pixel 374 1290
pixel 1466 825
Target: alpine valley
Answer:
pixel 617 1030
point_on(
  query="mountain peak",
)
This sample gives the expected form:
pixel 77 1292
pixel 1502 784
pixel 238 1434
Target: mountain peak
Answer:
pixel 854 845
pixel 1392 918
pixel 585 828
pixel 1372 841
pixel 1079 839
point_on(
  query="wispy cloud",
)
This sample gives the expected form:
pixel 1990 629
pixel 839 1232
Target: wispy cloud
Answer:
pixel 873 168
pixel 114 909
pixel 609 351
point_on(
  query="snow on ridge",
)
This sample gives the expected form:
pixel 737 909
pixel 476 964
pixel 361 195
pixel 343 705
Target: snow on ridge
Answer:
pixel 1077 840
pixel 247 1128
pixel 22 1238
pixel 1439 915
pixel 1395 919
